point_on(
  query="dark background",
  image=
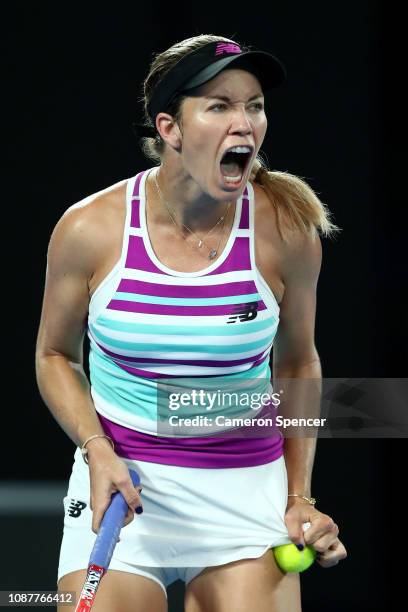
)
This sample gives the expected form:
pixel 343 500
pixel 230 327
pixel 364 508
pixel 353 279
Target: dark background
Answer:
pixel 73 80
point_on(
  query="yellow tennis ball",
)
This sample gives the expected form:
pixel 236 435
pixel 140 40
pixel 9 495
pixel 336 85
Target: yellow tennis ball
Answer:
pixel 290 559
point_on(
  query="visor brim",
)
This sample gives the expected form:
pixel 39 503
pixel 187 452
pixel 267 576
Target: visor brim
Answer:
pixel 267 68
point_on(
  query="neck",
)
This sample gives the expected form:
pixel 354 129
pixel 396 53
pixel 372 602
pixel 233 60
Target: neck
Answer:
pixel 190 206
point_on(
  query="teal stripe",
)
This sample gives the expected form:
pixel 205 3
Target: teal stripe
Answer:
pixel 128 393
pixel 168 301
pixel 149 348
pixel 182 330
pixel 138 396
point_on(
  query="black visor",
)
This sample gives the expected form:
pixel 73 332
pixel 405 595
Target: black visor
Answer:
pixel 200 66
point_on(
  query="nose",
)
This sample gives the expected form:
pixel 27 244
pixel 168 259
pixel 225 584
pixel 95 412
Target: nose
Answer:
pixel 240 123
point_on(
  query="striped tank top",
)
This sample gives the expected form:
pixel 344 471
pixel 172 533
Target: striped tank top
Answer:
pixel 150 326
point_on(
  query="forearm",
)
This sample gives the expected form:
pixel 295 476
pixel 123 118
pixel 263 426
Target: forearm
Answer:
pixel 302 393
pixel 65 390
pixel 299 456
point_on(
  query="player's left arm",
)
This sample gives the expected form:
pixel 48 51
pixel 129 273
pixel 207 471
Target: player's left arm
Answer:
pixel 294 352
pixel 295 357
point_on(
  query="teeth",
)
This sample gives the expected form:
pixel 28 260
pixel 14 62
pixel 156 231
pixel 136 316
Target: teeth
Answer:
pixel 233 179
pixel 239 150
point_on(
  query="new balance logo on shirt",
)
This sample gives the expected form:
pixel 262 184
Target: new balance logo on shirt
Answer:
pixel 244 312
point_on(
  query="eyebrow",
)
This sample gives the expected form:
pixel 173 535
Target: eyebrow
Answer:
pixel 228 99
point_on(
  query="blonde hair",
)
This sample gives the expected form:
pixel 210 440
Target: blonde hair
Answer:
pixel 297 206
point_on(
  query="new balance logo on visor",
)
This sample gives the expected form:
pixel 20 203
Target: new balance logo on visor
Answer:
pixel 75 508
pixel 244 312
pixel 227 48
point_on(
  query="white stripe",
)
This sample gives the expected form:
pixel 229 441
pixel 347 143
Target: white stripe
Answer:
pixel 189 370
pixel 188 355
pixel 179 339
pixel 198 281
pixel 137 231
pixel 192 370
pixel 136 317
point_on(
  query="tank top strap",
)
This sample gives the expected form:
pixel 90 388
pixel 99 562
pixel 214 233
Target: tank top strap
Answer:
pixel 244 220
pixel 133 199
pixel 137 258
pixel 250 221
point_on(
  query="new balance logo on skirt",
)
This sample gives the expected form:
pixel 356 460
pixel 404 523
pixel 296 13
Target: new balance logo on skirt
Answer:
pixel 244 312
pixel 75 508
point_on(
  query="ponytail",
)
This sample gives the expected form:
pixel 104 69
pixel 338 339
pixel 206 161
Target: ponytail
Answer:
pixel 296 204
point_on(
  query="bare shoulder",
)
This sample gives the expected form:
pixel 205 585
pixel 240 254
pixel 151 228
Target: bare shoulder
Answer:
pixel 87 228
pixel 301 254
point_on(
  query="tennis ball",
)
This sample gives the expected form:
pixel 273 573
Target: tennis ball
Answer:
pixel 290 559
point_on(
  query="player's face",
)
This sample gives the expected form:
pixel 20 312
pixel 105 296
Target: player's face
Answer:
pixel 227 112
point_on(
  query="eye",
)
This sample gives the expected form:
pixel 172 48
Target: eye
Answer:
pixel 258 106
pixel 219 106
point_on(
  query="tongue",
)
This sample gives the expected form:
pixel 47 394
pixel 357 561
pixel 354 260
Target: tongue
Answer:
pixel 230 168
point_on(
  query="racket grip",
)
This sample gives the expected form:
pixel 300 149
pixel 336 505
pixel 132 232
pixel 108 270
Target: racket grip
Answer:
pixel 111 525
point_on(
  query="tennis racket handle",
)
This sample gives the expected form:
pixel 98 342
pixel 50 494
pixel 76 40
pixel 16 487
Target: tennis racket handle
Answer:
pixel 111 525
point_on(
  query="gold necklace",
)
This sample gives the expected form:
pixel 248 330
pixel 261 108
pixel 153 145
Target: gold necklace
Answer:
pixel 212 253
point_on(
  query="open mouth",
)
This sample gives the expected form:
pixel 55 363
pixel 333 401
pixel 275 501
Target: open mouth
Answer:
pixel 234 163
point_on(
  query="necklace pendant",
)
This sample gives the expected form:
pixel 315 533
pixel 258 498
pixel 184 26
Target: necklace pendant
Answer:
pixel 212 254
pixel 200 244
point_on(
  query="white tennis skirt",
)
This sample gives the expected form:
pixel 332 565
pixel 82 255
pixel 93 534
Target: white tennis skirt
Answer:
pixel 193 517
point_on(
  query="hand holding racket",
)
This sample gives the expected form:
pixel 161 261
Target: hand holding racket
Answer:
pixel 105 543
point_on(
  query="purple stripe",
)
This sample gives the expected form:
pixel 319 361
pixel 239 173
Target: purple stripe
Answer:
pixel 186 311
pixel 137 258
pixel 135 217
pixel 136 188
pixel 187 291
pixel 201 362
pixel 237 259
pixel 244 221
pixel 231 450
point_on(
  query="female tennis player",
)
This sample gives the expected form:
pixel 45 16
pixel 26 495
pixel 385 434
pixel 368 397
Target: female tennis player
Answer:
pixel 184 276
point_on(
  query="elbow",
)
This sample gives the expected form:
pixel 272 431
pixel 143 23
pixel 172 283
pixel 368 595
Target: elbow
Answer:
pixel 48 360
pixel 297 366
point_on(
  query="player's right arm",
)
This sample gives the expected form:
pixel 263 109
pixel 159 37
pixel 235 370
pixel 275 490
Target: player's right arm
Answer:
pixel 74 251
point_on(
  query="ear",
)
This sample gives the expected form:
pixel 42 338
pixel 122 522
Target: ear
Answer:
pixel 169 130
